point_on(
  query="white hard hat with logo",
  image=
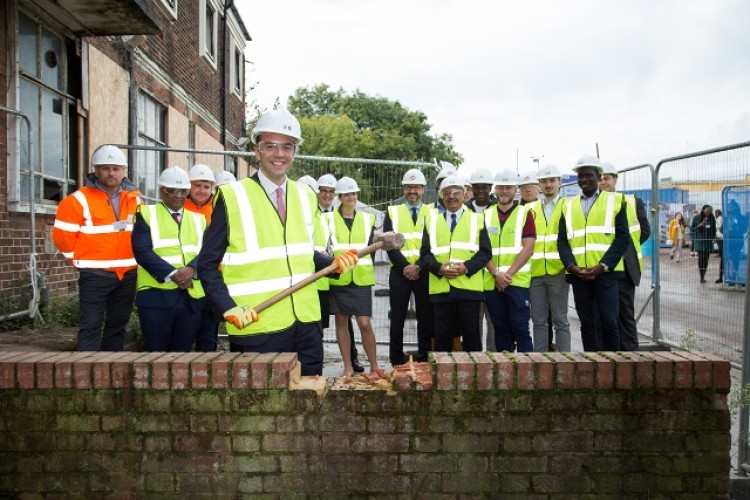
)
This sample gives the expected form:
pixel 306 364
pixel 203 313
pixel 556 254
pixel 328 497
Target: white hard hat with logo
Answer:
pixel 327 180
pixel 306 179
pixel 413 177
pixel 608 168
pixel 278 121
pixel 481 176
pixel 174 177
pixel 346 185
pixel 548 172
pixel 452 181
pixel 589 160
pixel 447 170
pixel 506 178
pixel 527 179
pixel 224 177
pixel 201 172
pixel 108 155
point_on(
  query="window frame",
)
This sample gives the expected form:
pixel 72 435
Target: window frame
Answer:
pixel 145 175
pixel 211 56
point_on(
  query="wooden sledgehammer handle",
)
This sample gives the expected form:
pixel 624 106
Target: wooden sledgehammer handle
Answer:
pixel 320 274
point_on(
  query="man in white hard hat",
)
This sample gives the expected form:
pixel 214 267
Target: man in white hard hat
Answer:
pixel 446 170
pixel 455 249
pixel 166 241
pixel 259 244
pixel 224 177
pixel 640 230
pixel 199 199
pixel 92 230
pixel 528 187
pixel 407 276
pixel 592 254
pixel 511 230
pixel 326 194
pixel 549 290
pixel 201 190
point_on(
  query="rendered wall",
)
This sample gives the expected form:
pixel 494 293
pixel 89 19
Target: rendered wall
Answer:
pixel 108 101
pixel 645 425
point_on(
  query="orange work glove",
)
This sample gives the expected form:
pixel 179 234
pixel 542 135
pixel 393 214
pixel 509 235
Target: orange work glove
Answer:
pixel 346 261
pixel 241 316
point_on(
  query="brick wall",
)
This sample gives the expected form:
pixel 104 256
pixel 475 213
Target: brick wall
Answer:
pixel 635 425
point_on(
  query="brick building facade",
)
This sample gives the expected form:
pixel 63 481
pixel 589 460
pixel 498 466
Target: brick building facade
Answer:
pixel 155 73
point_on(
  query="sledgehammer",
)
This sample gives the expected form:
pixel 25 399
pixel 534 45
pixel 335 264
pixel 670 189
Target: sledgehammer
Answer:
pixel 384 241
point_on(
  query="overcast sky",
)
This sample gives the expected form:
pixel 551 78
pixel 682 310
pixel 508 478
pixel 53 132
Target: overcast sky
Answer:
pixel 645 79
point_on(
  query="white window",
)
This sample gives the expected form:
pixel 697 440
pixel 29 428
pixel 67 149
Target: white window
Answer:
pixel 151 132
pixel 210 11
pixel 237 65
pixel 168 8
pixel 48 164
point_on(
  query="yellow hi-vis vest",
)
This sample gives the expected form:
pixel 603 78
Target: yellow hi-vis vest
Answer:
pixel 635 228
pixel 342 240
pixel 506 242
pixel 178 245
pixel 459 246
pixel 322 241
pixel 546 259
pixel 401 217
pixel 264 256
pixel 590 237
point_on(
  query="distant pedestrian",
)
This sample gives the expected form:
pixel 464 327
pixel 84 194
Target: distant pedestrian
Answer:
pixel 719 244
pixel 676 234
pixel 704 229
pixel 691 233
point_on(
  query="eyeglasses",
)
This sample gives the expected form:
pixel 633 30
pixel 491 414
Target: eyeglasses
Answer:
pixel 454 192
pixel 270 147
pixel 327 191
pixel 176 191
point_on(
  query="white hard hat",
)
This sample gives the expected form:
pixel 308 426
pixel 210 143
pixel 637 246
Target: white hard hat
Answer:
pixel 589 160
pixel 527 178
pixel 548 172
pixel 346 185
pixel 506 178
pixel 608 168
pixel 174 177
pixel 278 121
pixel 467 182
pixel 108 155
pixel 306 179
pixel 327 180
pixel 481 176
pixel 413 176
pixel 224 177
pixel 447 171
pixel 201 172
pixel 452 181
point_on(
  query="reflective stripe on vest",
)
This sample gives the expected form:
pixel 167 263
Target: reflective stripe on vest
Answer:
pixel 342 239
pixel 459 246
pixel 264 256
pixel 402 223
pixel 546 259
pixel 177 245
pixel 590 237
pixel 634 227
pixel 507 243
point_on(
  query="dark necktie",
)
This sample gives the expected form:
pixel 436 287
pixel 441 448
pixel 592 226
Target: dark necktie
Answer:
pixel 414 214
pixel 176 217
pixel 280 204
pixel 453 222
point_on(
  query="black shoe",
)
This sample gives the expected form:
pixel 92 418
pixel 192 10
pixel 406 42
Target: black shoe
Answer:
pixel 702 280
pixel 416 357
pixel 357 366
pixel 719 281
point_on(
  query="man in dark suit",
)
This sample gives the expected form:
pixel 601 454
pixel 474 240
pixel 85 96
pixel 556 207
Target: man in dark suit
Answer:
pixel 166 240
pixel 640 230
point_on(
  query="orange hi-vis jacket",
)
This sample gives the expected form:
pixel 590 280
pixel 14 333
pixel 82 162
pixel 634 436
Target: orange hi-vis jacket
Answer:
pixel 88 232
pixel 206 209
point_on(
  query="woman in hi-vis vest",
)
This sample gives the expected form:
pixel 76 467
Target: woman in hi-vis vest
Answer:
pixel 351 294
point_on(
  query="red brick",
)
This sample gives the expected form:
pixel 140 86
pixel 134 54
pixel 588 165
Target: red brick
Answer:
pixel 281 370
pixel 604 369
pixel 683 370
pixel 103 369
pixel 585 371
pixel 252 370
pixel 545 370
pixel 8 370
pixel 402 377
pixel 161 369
pixel 663 370
pixel 199 369
pixel 624 371
pixel 721 369
pixel 445 369
pixel 464 370
pixel 25 368
pixel 122 368
pixel 220 370
pixel 506 370
pixel 64 370
pixel 526 372
pixel 423 380
pixel 142 370
pixel 565 370
pixel 180 369
pixel 485 373
pixel 82 372
pixel 644 371
pixel 45 370
pixel 702 369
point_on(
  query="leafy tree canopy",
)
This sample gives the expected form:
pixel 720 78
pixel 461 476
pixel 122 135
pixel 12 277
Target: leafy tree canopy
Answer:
pixel 337 123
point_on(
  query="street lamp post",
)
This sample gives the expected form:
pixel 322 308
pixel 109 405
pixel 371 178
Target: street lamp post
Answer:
pixel 537 160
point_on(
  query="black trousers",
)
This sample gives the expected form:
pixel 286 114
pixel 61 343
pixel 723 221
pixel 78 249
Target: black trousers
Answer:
pixel 598 299
pixel 626 315
pixel 400 290
pixel 462 312
pixel 102 294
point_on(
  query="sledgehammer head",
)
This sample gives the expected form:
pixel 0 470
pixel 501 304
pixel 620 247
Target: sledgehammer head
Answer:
pixel 389 241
